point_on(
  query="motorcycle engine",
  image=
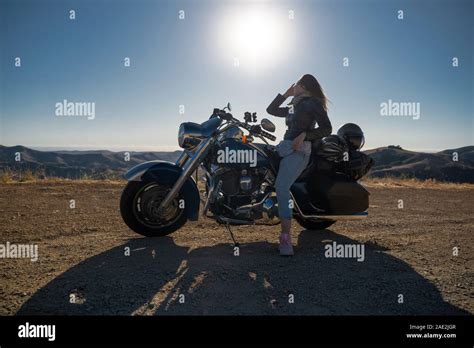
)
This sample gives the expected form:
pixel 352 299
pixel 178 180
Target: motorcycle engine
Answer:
pixel 237 188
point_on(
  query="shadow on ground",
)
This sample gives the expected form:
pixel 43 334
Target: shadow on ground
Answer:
pixel 214 281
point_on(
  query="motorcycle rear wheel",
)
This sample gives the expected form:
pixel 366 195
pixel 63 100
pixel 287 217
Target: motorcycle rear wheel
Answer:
pixel 314 225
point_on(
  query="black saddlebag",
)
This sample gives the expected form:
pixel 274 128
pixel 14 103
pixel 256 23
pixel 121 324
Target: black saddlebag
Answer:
pixel 338 194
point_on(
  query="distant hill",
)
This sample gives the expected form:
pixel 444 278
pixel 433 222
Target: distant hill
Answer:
pixel 389 161
pixel 77 164
pixel 392 161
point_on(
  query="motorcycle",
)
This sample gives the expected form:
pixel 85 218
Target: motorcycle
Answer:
pixel 239 176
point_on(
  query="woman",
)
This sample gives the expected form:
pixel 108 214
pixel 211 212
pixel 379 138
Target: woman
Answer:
pixel 308 107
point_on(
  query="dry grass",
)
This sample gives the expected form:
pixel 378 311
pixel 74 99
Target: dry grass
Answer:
pixel 53 180
pixel 29 175
pixel 9 177
pixel 393 182
pixel 6 176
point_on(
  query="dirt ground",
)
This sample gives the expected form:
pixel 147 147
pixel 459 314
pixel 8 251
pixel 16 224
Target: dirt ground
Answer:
pixel 83 267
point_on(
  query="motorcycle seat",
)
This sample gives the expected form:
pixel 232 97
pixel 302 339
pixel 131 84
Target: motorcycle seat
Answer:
pixel 275 161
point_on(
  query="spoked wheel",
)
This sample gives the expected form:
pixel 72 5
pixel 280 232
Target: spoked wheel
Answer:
pixel 139 208
pixel 314 225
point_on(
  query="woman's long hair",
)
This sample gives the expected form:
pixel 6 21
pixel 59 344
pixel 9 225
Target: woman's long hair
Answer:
pixel 311 84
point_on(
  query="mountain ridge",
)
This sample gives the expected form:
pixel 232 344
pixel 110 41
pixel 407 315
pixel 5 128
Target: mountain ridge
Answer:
pixel 389 161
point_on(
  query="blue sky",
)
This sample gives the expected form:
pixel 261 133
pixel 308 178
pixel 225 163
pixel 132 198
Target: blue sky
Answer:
pixel 190 62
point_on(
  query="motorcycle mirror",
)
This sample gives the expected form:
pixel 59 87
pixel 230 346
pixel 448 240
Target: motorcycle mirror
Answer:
pixel 267 125
pixel 228 107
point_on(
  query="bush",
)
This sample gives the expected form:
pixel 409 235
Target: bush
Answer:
pixel 398 147
pixel 28 175
pixel 6 176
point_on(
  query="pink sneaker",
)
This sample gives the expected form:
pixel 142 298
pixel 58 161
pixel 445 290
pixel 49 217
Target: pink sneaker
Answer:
pixel 285 247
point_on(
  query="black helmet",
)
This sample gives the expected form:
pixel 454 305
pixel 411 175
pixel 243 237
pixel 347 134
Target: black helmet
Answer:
pixel 332 148
pixel 353 135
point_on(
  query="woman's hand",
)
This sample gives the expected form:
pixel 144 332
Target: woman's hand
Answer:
pixel 290 91
pixel 298 141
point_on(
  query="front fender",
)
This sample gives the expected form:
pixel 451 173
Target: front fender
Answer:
pixel 163 172
pixel 135 173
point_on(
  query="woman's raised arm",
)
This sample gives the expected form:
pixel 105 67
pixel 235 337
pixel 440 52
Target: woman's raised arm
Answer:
pixel 274 107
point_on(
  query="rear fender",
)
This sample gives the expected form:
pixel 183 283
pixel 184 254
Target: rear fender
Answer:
pixel 163 172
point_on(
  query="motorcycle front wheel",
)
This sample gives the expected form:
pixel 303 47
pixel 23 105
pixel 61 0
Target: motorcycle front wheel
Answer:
pixel 139 209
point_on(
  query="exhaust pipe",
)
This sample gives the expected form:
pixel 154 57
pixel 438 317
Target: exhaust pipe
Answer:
pixel 356 216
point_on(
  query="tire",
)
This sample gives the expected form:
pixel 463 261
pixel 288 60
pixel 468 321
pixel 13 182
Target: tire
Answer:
pixel 131 217
pixel 314 225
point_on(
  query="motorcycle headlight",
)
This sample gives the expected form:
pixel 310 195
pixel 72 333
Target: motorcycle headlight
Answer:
pixel 186 139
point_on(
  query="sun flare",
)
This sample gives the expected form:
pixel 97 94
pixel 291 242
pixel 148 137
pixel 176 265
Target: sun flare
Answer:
pixel 254 37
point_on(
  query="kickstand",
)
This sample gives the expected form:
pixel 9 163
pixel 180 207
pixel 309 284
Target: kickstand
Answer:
pixel 232 235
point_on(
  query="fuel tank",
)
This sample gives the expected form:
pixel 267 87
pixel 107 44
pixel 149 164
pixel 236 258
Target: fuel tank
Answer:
pixel 233 153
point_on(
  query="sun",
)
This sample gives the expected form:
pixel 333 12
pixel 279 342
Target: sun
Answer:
pixel 254 37
pixel 255 34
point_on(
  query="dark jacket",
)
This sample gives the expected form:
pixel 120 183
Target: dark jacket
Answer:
pixel 306 114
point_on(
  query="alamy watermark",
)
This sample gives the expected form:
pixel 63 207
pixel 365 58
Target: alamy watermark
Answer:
pixel 403 109
pixel 19 251
pixel 77 109
pixel 28 330
pixel 237 156
pixel 347 251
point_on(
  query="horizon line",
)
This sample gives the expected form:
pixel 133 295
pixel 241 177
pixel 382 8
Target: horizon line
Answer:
pixel 175 148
